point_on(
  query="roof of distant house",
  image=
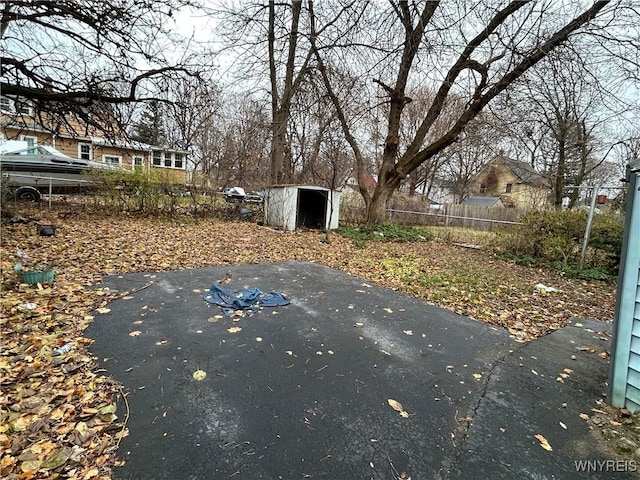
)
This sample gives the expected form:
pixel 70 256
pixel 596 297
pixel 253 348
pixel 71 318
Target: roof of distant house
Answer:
pixel 525 172
pixel 484 201
pixel 368 179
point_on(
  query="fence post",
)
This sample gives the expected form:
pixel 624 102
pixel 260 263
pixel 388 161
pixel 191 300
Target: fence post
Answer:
pixel 587 230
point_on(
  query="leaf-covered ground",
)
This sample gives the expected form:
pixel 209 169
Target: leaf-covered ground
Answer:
pixel 57 412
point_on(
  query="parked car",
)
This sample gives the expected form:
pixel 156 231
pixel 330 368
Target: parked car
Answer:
pixel 238 195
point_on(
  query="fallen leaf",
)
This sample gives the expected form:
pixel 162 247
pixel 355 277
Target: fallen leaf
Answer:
pixel 135 333
pixel 543 442
pixel 397 406
pixel 258 339
pixel 589 349
pixel 199 375
pixel 103 310
pixel 477 376
pixel 563 425
pixel 91 473
pixel 388 310
pixel 408 332
pixel 234 329
pixel 584 416
pixel 30 465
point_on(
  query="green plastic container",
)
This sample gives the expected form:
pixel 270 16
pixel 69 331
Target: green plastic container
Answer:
pixel 32 278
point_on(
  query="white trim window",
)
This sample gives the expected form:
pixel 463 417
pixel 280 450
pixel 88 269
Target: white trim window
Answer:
pixel 23 107
pixel 137 162
pixel 178 160
pixel 15 106
pixel 6 105
pixel 157 158
pixel 32 141
pixel 168 162
pixel 85 151
pixel 112 159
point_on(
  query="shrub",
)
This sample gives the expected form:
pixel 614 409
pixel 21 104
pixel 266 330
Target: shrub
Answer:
pixel 555 239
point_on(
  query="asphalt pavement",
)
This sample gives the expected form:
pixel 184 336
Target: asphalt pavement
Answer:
pixel 350 380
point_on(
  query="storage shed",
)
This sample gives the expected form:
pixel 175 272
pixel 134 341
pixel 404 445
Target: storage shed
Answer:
pixel 624 375
pixel 292 206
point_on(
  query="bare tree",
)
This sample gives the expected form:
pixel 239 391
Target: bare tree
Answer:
pixel 83 58
pixel 561 114
pixel 271 35
pixel 232 149
pixel 497 45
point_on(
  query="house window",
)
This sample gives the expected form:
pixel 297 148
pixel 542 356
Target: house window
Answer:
pixel 483 188
pixel 178 160
pixel 112 159
pixel 85 152
pixel 32 142
pixel 138 162
pixel 6 105
pixel 167 159
pixel 508 188
pixel 157 158
pixel 23 107
pixel 9 105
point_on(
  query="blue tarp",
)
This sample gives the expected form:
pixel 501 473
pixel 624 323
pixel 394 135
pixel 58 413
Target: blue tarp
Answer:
pixel 248 300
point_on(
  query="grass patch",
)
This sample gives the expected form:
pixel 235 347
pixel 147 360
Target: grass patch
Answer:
pixel 462 235
pixel 387 232
pixel 570 270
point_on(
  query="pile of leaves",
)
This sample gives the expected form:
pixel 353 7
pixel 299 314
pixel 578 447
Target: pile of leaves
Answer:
pixel 58 416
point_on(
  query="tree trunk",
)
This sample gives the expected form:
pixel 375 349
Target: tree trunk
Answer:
pixel 377 208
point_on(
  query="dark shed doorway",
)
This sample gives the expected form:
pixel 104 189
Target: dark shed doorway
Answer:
pixel 312 208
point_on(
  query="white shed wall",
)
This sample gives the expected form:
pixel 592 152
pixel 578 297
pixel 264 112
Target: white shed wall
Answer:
pixel 281 207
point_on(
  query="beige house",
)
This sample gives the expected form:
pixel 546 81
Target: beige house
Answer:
pixel 516 183
pixel 18 122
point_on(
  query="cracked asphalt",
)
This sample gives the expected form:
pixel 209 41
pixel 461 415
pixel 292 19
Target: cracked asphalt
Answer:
pixel 303 391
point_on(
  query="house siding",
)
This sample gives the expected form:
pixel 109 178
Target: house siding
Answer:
pixel 67 143
pixel 624 376
pixel 493 179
